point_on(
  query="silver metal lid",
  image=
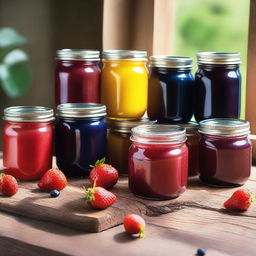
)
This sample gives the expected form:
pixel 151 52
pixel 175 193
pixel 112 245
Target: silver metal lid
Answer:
pixel 124 55
pixel 78 54
pixel 158 134
pixel 28 114
pixel 218 58
pixel 171 62
pixel 190 127
pixel 125 126
pixel 224 127
pixel 81 110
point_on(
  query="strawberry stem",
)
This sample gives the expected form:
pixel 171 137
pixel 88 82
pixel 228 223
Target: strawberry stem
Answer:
pixel 98 162
pixel 141 233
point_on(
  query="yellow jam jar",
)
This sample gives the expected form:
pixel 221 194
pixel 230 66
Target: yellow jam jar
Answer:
pixel 124 83
pixel 118 143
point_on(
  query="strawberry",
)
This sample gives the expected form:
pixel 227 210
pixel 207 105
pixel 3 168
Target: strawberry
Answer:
pixel 134 224
pixel 53 179
pixel 103 174
pixel 241 199
pixel 99 198
pixel 8 185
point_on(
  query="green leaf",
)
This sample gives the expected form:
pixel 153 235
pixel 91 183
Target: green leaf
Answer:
pixel 15 75
pixel 9 39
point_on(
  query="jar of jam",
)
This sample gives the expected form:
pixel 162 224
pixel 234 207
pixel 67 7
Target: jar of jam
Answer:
pixel 80 133
pixel 218 86
pixel 158 161
pixel 124 84
pixel 171 89
pixel 119 132
pixel 193 147
pixel 224 152
pixel 27 141
pixel 77 76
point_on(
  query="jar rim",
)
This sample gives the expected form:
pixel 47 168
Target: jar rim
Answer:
pixel 227 127
pixel 28 114
pixel 158 134
pixel 78 54
pixel 219 58
pixel 190 127
pixel 81 110
pixel 124 55
pixel 175 62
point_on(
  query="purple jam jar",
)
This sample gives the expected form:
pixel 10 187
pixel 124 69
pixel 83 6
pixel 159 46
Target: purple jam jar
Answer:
pixel 218 86
pixel 225 152
pixel 77 76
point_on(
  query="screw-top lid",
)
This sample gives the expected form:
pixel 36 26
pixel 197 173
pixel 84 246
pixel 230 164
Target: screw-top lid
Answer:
pixel 190 127
pixel 78 54
pixel 158 134
pixel 125 126
pixel 81 110
pixel 175 62
pixel 28 114
pixel 219 58
pixel 124 55
pixel 224 127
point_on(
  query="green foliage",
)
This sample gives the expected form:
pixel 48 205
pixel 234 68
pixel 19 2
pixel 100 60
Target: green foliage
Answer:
pixel 15 76
pixel 212 25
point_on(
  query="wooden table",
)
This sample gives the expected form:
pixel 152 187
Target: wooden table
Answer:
pixel 179 228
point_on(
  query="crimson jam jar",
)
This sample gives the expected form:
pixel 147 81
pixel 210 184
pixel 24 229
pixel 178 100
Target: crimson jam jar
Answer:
pixel 77 76
pixel 171 89
pixel 81 137
pixel 193 147
pixel 158 161
pixel 27 141
pixel 218 86
pixel 224 152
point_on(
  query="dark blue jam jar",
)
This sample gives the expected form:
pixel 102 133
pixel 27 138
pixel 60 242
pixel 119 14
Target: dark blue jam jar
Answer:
pixel 80 133
pixel 218 86
pixel 171 89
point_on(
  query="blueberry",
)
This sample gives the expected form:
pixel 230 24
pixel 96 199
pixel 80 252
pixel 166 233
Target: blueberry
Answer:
pixel 201 252
pixel 55 193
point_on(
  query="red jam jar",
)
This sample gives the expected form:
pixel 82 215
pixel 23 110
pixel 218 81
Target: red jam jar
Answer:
pixel 27 141
pixel 193 147
pixel 225 152
pixel 77 76
pixel 158 161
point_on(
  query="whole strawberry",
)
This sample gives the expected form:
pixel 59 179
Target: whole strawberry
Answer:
pixel 8 185
pixel 53 179
pixel 99 198
pixel 134 224
pixel 104 175
pixel 240 200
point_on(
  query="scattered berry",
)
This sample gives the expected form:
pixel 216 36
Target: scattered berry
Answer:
pixel 240 200
pixel 99 198
pixel 8 185
pixel 134 224
pixel 104 175
pixel 201 252
pixel 53 179
pixel 55 193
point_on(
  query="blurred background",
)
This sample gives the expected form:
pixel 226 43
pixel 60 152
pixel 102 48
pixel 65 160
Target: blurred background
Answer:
pixel 36 29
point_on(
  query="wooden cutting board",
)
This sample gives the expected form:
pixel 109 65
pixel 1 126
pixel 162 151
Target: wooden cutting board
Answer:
pixel 199 204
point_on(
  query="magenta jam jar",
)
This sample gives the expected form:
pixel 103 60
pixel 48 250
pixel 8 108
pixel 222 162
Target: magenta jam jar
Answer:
pixel 224 152
pixel 158 161
pixel 77 76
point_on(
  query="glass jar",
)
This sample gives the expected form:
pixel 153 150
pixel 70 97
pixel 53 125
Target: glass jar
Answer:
pixel 171 89
pixel 218 86
pixel 124 84
pixel 224 152
pixel 27 141
pixel 77 76
pixel 119 132
pixel 80 134
pixel 158 161
pixel 193 147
